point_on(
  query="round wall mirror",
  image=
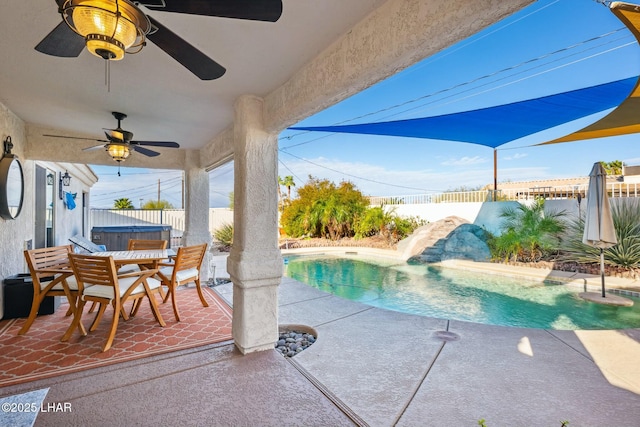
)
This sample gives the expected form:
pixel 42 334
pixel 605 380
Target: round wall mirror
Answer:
pixel 11 187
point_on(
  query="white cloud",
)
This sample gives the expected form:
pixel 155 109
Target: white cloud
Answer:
pixel 524 174
pixel 632 162
pixel 376 180
pixel 515 156
pixel 464 161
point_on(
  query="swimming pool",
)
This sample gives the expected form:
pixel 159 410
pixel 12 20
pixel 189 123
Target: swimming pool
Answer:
pixel 458 295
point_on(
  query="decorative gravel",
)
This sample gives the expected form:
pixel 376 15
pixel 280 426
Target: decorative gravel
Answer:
pixel 291 343
pixel 216 282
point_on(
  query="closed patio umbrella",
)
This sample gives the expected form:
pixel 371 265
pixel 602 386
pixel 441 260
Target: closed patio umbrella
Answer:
pixel 598 225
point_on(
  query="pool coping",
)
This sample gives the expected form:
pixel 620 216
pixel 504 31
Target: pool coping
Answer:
pixel 587 282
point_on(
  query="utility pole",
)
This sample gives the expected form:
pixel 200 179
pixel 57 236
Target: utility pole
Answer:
pixel 158 191
pixel 183 190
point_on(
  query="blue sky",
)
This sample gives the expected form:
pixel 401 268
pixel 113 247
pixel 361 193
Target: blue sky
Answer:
pixel 550 47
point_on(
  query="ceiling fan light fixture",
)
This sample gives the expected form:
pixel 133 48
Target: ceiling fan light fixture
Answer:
pixel 110 27
pixel 118 152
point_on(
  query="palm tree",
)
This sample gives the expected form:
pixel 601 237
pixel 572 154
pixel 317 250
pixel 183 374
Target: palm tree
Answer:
pixel 612 168
pixel 288 182
pixel 528 232
pixel 280 204
pixel 123 203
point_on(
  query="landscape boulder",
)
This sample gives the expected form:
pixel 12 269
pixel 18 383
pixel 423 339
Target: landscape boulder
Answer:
pixel 450 238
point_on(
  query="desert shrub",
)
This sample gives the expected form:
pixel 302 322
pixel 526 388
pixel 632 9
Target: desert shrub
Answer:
pixel 224 234
pixel 528 233
pixel 157 205
pixel 626 221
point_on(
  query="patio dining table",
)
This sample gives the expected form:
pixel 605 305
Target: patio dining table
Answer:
pixel 141 257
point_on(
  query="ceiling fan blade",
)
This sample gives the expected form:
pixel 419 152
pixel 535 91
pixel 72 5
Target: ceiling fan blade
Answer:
pixel 62 42
pixel 187 55
pixel 113 135
pixel 167 144
pixel 256 10
pixel 145 151
pixel 95 147
pixel 75 137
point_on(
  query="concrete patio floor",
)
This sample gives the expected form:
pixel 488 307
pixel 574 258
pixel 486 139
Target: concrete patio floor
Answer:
pixel 369 366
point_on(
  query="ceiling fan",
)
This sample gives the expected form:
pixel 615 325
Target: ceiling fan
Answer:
pixel 120 143
pixel 111 28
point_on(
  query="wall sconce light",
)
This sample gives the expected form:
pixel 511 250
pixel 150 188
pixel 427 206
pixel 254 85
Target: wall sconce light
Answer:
pixel 8 146
pixel 65 180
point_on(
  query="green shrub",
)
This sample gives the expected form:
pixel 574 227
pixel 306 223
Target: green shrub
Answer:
pixel 157 205
pixel 224 234
pixel 372 222
pixel 528 233
pixel 323 209
pixel 626 221
pixel 385 223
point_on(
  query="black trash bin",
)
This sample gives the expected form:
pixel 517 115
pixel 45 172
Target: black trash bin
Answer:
pixel 18 296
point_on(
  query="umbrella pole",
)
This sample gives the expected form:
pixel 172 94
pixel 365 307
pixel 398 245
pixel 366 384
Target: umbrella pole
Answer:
pixel 602 270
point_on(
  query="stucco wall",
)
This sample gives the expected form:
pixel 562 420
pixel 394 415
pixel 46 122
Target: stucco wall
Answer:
pixel 13 233
pixel 68 222
pixel 486 215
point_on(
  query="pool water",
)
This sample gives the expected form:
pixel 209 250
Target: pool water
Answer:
pixel 458 295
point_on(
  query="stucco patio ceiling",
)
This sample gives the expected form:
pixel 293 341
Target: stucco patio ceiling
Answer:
pixel 164 101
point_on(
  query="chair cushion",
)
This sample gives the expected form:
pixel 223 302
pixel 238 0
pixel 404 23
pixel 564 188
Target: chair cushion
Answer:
pixel 71 282
pixel 101 291
pixel 128 268
pixel 183 276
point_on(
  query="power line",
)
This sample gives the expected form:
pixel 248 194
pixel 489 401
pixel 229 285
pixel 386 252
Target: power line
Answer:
pixel 470 82
pixel 429 61
pixel 478 93
pixel 134 192
pixel 357 177
pixel 287 167
pixel 516 74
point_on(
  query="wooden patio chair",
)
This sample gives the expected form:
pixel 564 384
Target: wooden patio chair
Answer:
pixel 52 276
pixel 139 245
pixel 185 269
pixel 142 244
pixel 109 288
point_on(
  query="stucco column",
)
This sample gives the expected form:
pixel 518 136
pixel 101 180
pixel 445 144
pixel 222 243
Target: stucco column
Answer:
pixel 196 208
pixel 255 262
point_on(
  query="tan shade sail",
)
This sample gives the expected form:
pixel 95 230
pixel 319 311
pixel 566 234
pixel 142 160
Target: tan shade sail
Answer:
pixel 625 119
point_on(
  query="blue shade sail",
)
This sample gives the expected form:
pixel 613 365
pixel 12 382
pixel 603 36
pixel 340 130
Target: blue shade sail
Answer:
pixel 495 126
